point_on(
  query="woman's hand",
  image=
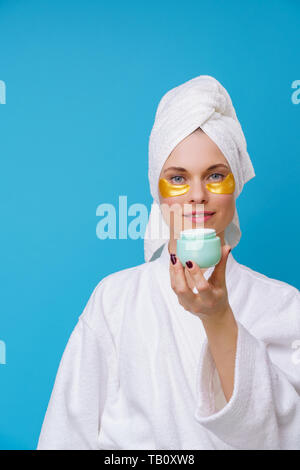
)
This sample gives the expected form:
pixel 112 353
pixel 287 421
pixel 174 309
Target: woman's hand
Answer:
pixel 211 302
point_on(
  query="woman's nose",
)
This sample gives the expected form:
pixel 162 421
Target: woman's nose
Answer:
pixel 198 193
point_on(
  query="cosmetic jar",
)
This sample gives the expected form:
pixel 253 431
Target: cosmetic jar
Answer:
pixel 200 245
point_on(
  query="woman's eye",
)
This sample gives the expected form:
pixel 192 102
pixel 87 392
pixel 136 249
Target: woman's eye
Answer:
pixel 176 181
pixel 215 177
pixel 218 174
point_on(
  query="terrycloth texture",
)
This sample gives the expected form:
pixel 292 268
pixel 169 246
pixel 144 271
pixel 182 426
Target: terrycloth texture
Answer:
pixel 200 102
pixel 137 372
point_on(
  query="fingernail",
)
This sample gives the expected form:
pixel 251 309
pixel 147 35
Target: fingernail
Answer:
pixel 173 258
pixel 189 264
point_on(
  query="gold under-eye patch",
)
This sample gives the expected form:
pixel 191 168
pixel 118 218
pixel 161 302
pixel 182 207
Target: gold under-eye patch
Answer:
pixel 226 186
pixel 168 190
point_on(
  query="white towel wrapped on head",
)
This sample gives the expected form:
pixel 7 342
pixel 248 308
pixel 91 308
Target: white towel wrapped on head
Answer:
pixel 200 102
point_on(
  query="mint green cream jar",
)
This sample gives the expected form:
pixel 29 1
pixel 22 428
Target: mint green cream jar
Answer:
pixel 200 245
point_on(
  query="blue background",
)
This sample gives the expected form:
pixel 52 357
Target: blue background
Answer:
pixel 83 80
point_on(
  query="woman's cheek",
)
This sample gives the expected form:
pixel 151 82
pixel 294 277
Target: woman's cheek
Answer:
pixel 224 205
pixel 222 200
pixel 172 210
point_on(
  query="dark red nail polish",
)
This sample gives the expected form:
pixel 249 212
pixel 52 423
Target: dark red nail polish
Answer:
pixel 173 258
pixel 189 264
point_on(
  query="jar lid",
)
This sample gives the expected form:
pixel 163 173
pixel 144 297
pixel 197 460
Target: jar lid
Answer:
pixel 197 233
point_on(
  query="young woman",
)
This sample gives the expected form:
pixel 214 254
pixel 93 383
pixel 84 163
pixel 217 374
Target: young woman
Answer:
pixel 166 356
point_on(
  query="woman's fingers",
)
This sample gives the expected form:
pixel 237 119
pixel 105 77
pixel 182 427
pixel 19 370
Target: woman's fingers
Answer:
pixel 179 282
pixel 199 281
pixel 190 281
pixel 218 276
pixel 195 293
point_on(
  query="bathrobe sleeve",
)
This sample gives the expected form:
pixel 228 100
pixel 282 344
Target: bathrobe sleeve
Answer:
pixel 73 416
pixel 264 410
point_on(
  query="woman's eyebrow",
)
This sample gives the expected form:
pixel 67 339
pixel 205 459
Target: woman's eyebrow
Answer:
pixel 217 166
pixel 178 168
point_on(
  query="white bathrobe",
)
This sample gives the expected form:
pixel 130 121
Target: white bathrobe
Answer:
pixel 137 372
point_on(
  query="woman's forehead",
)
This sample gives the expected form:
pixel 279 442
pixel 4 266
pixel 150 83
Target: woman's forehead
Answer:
pixel 195 153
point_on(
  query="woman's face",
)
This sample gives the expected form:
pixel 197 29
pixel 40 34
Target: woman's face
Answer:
pixel 194 155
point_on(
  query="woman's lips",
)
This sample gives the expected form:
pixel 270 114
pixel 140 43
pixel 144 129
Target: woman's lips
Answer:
pixel 199 218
